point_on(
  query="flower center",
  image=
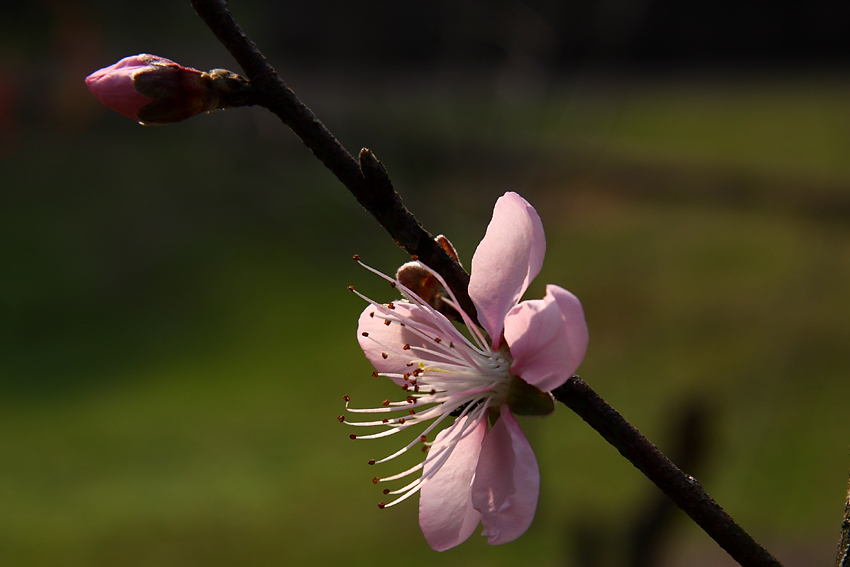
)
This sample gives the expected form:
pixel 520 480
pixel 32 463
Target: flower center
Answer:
pixel 443 372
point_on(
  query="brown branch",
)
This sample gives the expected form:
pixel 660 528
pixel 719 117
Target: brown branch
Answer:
pixel 366 179
pixel 682 488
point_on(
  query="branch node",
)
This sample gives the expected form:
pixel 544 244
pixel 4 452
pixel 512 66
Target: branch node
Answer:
pixel 374 171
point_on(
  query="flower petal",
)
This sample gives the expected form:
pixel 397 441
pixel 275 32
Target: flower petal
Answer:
pixel 384 344
pixel 547 337
pixel 113 86
pixel 509 256
pixel 507 481
pixel 446 515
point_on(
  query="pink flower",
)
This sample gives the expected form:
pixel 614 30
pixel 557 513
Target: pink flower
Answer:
pixel 151 89
pixel 473 472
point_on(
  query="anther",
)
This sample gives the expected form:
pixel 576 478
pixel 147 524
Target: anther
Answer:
pixel 385 420
pixel 411 400
pixel 351 288
pixel 376 480
pixel 387 322
pixel 438 340
pixel 384 355
pixel 364 334
pixel 405 387
pixel 414 258
pixel 341 418
pixel 410 411
pixel 356 257
pixel 346 398
pixel 375 374
pixel 401 421
pixel 381 505
pixel 352 436
pixel 371 461
pixel 385 403
pixel 392 284
pixel 386 491
pixel 372 314
pixel 423 439
pixel 390 305
pixel 406 347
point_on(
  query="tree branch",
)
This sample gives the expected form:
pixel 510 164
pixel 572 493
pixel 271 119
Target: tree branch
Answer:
pixel 366 179
pixel 682 488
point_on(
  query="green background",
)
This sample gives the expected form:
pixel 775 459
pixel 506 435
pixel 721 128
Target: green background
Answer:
pixel 176 335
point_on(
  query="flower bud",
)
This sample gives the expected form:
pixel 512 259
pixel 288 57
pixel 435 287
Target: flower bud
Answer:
pixel 417 278
pixel 152 89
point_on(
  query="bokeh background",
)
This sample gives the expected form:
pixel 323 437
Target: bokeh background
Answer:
pixel 176 335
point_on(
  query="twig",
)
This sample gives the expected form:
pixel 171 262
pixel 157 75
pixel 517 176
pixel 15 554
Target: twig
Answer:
pixel 682 488
pixel 368 181
pixel 653 523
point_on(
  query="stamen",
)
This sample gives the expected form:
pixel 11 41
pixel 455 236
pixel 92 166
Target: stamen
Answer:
pixel 454 375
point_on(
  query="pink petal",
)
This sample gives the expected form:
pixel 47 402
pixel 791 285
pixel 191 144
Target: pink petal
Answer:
pixel 507 259
pixel 547 337
pixel 384 344
pixel 113 86
pixel 507 481
pixel 446 514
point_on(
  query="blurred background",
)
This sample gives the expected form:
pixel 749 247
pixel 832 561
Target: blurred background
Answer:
pixel 176 335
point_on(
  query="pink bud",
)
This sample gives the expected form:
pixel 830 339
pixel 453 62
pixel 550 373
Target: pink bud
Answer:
pixel 152 89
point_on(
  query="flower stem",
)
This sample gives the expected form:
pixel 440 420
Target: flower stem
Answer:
pixel 682 488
